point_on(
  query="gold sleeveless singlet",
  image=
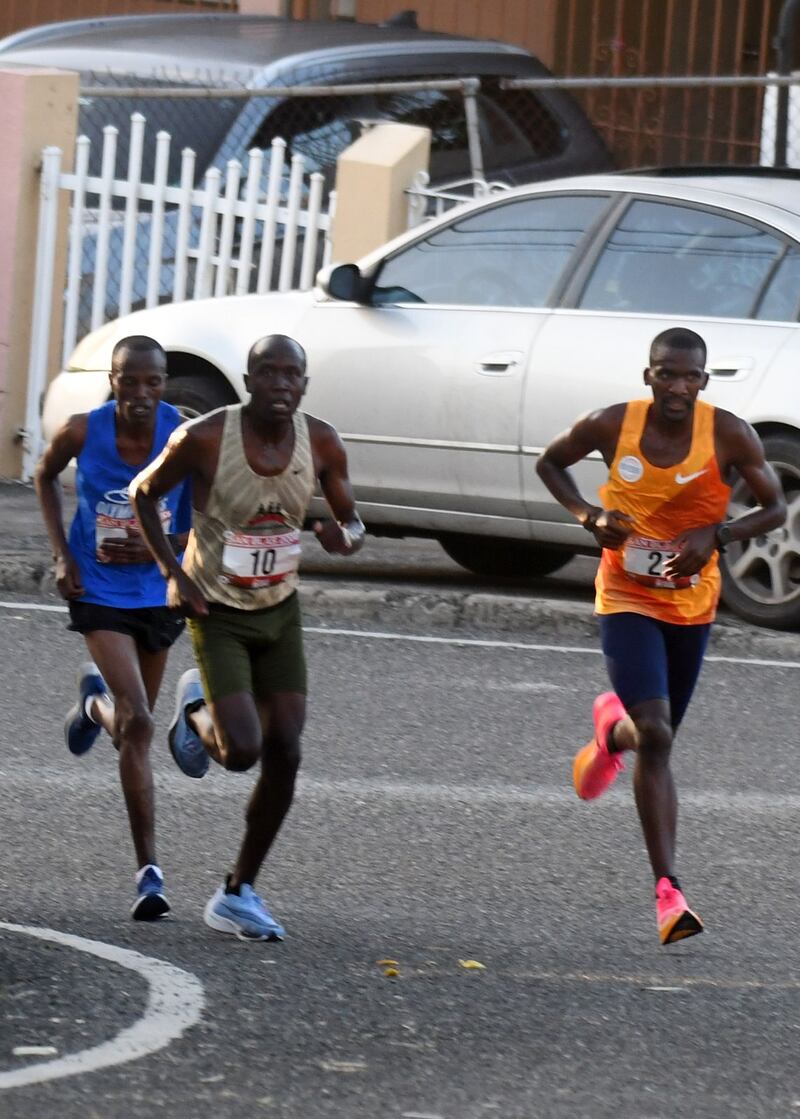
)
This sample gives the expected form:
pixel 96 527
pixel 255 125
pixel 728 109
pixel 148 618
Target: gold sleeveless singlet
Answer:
pixel 244 549
pixel 664 502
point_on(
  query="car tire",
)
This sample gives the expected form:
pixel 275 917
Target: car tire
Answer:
pixel 195 394
pixel 761 577
pixel 489 555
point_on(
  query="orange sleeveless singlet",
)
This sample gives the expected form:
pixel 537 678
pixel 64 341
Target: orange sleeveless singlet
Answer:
pixel 664 502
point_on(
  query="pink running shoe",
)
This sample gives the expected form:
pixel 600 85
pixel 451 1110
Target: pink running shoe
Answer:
pixel 675 919
pixel 594 769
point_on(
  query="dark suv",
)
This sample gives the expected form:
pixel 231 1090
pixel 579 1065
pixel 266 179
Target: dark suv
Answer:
pixel 525 135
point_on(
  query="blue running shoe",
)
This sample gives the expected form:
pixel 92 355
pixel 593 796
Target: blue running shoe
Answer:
pixel 243 914
pixel 79 730
pixel 185 745
pixel 150 902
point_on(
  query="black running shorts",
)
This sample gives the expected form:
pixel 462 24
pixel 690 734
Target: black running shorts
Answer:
pixel 153 628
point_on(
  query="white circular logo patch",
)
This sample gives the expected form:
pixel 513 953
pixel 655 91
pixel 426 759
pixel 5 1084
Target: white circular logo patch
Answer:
pixel 630 469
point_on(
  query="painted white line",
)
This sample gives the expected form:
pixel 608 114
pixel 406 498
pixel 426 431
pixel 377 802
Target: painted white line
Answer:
pixel 322 790
pixel 46 607
pixel 175 1003
pixel 461 642
pixel 523 646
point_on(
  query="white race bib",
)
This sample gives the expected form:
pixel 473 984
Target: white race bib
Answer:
pixel 259 561
pixel 644 561
pixel 113 523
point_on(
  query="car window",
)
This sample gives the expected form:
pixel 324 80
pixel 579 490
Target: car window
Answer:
pixel 320 128
pixel 781 300
pixel 516 126
pixel 681 260
pixel 509 255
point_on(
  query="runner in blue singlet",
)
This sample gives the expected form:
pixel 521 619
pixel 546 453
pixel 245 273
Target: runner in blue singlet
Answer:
pixel 115 592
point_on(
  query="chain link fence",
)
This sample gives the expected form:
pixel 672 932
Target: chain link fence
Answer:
pixel 477 129
pixel 481 130
pixel 477 125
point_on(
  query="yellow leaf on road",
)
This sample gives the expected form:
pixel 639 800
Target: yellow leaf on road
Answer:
pixel 472 965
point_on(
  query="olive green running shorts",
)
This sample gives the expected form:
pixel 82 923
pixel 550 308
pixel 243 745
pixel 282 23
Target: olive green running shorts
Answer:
pixel 256 651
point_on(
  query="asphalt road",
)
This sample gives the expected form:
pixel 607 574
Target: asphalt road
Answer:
pixel 435 824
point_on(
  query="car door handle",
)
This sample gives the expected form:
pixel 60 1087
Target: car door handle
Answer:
pixel 729 367
pixel 499 364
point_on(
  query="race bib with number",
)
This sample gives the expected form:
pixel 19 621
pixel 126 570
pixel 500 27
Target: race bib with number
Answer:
pixel 112 522
pixel 259 561
pixel 644 560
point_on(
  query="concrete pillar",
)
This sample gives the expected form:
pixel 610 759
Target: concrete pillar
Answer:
pixel 37 108
pixel 372 176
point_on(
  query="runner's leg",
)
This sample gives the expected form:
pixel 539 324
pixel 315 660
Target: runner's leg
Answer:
pixel 637 661
pixel 686 648
pixel 118 659
pixel 653 784
pixel 230 729
pixel 283 716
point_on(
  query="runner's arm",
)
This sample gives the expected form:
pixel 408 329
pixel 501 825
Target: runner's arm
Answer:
pixel 744 452
pixel 747 458
pixel 67 444
pixel 596 431
pixel 169 469
pixel 345 535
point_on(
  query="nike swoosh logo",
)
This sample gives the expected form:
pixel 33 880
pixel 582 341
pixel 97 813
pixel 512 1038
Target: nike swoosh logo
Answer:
pixel 682 479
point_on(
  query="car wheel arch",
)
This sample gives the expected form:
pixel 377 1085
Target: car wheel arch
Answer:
pixel 196 385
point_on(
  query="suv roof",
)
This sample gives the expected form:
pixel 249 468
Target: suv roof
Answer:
pixel 228 45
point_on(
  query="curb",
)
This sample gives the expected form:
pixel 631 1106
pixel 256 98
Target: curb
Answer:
pixel 470 613
pixel 554 620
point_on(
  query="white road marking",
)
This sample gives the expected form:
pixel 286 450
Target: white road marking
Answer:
pixel 46 607
pixel 176 786
pixel 175 1004
pixel 459 642
pixel 521 646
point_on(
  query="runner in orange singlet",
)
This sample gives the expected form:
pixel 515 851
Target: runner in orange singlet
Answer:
pixel 661 526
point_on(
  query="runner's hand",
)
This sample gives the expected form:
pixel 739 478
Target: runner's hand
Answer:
pixel 332 538
pixel 696 548
pixel 68 578
pixel 612 528
pixel 185 596
pixel 130 550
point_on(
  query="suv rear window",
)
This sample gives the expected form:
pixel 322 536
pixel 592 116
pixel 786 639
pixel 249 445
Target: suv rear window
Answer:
pixel 514 128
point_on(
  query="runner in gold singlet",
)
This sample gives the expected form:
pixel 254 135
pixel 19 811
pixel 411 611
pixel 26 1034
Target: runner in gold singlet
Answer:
pixel 253 469
pixel 661 525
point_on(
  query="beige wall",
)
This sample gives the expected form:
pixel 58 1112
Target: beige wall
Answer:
pixel 37 108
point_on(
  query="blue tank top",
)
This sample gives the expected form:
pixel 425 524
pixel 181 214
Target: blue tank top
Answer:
pixel 104 510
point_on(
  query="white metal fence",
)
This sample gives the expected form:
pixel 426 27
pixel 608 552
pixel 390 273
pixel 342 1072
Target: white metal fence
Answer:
pixel 143 243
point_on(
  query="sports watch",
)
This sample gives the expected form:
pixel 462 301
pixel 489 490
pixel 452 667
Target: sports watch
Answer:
pixel 723 536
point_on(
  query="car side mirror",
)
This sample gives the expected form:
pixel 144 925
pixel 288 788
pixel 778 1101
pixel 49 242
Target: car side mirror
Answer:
pixel 345 282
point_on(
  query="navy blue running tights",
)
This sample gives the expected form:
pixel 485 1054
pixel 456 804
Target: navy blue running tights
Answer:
pixel 650 659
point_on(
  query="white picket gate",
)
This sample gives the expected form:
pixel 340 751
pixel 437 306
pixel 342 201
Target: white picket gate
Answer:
pixel 233 236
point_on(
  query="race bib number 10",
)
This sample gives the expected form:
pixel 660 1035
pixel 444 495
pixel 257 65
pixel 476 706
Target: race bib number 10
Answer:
pixel 644 561
pixel 259 561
